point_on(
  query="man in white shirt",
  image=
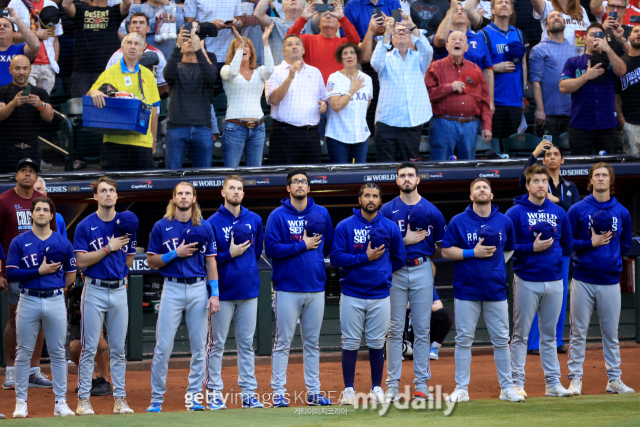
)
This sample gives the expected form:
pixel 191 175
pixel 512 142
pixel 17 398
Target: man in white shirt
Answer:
pixel 297 96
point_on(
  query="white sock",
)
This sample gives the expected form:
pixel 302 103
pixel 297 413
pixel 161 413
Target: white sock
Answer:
pixel 33 370
pixel 436 345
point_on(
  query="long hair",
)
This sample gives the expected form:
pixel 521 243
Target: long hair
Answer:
pixel 612 177
pixel 196 213
pixel 233 47
pixel 574 9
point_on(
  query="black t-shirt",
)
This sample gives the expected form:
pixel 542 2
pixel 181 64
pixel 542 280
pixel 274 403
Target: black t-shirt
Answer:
pixel 428 15
pixel 96 36
pixel 23 125
pixel 629 89
pixel 615 46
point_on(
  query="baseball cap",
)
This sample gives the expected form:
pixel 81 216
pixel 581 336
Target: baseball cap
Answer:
pixel 418 218
pixel 546 229
pixel 207 29
pixel 195 234
pixel 149 59
pixel 54 255
pixel 514 51
pixel 379 236
pixel 126 224
pixel 49 16
pixel 241 234
pixel 471 77
pixel 28 161
pixel 602 222
pixel 314 224
pixel 490 235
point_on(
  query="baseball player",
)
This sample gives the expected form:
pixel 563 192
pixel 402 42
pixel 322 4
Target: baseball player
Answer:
pixel 368 248
pixel 601 236
pixel 44 265
pixel 481 240
pixel 105 251
pixel 182 246
pixel 298 277
pixel 422 226
pixel 543 238
pixel 239 237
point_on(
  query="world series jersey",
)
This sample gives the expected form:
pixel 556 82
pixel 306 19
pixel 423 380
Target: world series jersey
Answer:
pixel 166 237
pixel 93 234
pixel 27 252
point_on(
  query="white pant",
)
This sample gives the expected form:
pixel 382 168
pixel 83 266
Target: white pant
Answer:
pixel 358 315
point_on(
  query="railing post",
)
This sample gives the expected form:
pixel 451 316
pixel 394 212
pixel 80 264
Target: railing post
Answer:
pixel 134 332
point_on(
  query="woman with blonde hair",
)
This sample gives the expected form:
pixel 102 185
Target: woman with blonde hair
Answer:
pixel 243 83
pixel 575 18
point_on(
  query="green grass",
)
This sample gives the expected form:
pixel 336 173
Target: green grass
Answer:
pixel 553 412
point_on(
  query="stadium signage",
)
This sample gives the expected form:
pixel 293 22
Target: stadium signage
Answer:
pixel 263 181
pixel 140 265
pixel 381 177
pixel 490 174
pixel 321 179
pixel 57 189
pixel 142 185
pixel 207 183
pixel 574 172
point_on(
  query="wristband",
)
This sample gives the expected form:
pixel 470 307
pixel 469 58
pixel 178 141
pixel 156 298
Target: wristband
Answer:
pixel 212 289
pixel 107 249
pixel 169 256
pixel 468 253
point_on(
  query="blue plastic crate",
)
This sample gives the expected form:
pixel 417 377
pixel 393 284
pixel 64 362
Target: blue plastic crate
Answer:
pixel 118 116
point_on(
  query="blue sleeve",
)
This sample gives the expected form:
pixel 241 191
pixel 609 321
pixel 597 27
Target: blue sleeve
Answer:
pixel 451 238
pixel 511 236
pixel 259 238
pixel 439 226
pixel 578 244
pixel 69 266
pixel 1 253
pixel 521 249
pixel 133 244
pixel 566 239
pixel 626 236
pixel 384 210
pixel 339 255
pixel 274 247
pixel 398 253
pixel 435 294
pixel 575 195
pixel 569 70
pixel 14 272
pixel 536 65
pixel 155 241
pixel 15 254
pixel 80 242
pixel 328 234
pixel 62 228
pixel 212 247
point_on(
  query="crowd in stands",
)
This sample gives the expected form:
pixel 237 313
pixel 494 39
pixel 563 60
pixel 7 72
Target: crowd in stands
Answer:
pixel 301 74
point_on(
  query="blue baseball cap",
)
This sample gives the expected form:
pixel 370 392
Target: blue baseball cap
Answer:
pixel 241 234
pixel 126 224
pixel 379 236
pixel 418 218
pixel 314 225
pixel 602 222
pixel 546 230
pixel 195 234
pixel 490 235
pixel 514 51
pixel 54 255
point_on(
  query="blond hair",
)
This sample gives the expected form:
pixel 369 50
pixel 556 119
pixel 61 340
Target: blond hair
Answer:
pixel 574 8
pixel 196 213
pixel 233 47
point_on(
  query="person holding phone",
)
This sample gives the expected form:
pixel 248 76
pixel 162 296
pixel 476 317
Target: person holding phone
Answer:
pixel 8 18
pixel 631 16
pixel 359 12
pixel 574 15
pixel 611 14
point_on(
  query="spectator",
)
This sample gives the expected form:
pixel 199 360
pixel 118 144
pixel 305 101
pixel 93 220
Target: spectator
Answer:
pixel 428 14
pixel 460 102
pixel 191 78
pixel 139 23
pixel 588 77
pixel 96 29
pixel 546 61
pixel 41 187
pixel 320 49
pixel 507 48
pixel 296 105
pixel 617 33
pixel 243 83
pixel 483 10
pixel 129 152
pixel 359 12
pixel 21 116
pixel 478 52
pixel 8 50
pixel 574 15
pixel 350 92
pixel 628 94
pixel 45 66
pixel 403 105
pixel 598 9
pixel 252 29
pixel 154 10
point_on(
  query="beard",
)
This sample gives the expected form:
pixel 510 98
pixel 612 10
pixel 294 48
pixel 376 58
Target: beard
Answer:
pixel 477 201
pixel 369 210
pixel 232 202
pixel 635 44
pixel 299 197
pixel 184 209
pixel 556 29
pixel 409 189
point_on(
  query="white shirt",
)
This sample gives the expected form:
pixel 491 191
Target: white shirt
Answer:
pixel 210 10
pixel 483 8
pixel 349 125
pixel 22 10
pixel 299 107
pixel 158 70
pixel 571 25
pixel 243 97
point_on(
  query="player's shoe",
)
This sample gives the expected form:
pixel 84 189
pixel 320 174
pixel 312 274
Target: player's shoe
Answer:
pixel 62 409
pixel 21 409
pixel 250 401
pixel 216 402
pixel 377 396
pixel 2 417
pixel 576 387
pixel 348 396
pixel 618 387
pixel 120 406
pixel 155 407
pixel 39 380
pixel 392 394
pixel 458 395
pixel 192 405
pixel 511 394
pixel 317 399
pixel 101 387
pixel 280 401
pixel 84 407
pixel 562 349
pixel 433 353
pixel 557 391
pixel 422 394
pixel 521 391
pixel 9 381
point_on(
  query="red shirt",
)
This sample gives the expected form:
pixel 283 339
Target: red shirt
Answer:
pixel 319 51
pixel 41 58
pixel 444 101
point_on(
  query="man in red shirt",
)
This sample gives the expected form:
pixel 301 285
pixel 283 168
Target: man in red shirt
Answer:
pixel 320 48
pixel 460 101
pixel 15 219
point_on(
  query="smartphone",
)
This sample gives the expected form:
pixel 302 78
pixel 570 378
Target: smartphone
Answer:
pixel 4 12
pixel 395 14
pixel 188 26
pixel 228 22
pixel 635 19
pixel 614 15
pixel 324 8
pixel 26 90
pixel 376 11
pixel 599 35
pixel 547 138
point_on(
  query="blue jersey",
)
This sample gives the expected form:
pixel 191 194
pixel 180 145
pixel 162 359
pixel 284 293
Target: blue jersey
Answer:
pixel 359 277
pixel 93 234
pixel 545 266
pixel 508 87
pixel 398 212
pixel 62 228
pixel 478 52
pixel 238 277
pixel 601 265
pixel 27 252
pixel 480 279
pixel 166 237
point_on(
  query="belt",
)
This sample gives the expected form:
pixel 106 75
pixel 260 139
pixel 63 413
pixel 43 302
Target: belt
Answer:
pixel 287 125
pixel 23 146
pixel 109 284
pixel 41 294
pixel 415 262
pixel 250 125
pixel 190 281
pixel 457 119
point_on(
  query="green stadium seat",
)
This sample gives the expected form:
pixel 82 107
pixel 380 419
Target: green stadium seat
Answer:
pixel 562 142
pixel 481 147
pixel 521 144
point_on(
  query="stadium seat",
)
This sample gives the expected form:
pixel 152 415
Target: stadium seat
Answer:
pixel 218 154
pixel 562 142
pixel 481 147
pixel 521 144
pixel 72 107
